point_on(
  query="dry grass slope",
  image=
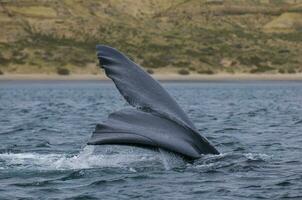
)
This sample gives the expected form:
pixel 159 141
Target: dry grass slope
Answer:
pixel 200 36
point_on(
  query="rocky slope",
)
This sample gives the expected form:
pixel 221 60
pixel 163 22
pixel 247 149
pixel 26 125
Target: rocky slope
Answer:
pixel 200 36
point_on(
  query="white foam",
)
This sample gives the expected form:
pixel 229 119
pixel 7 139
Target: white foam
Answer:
pixel 91 157
pixel 170 160
pixel 85 159
pixel 257 156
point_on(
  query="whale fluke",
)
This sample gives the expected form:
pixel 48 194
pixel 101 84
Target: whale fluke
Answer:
pixel 157 121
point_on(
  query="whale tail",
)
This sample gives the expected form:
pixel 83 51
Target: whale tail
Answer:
pixel 157 121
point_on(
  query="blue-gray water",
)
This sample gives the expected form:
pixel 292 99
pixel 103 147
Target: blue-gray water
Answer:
pixel 257 126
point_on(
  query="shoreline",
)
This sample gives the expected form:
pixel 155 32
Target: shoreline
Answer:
pixel 160 77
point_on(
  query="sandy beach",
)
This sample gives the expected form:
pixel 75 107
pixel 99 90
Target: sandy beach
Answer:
pixel 160 77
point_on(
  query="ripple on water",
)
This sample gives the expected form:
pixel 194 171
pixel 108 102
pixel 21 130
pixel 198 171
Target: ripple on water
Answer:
pixel 230 162
pixel 256 126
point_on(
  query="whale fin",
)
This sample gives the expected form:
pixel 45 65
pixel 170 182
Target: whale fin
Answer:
pixel 134 127
pixel 138 87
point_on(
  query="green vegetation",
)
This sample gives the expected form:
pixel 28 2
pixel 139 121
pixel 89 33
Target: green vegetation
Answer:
pixel 249 36
pixel 206 71
pixel 183 72
pixel 281 71
pixel 291 71
pixel 261 69
pixel 150 71
pixel 63 71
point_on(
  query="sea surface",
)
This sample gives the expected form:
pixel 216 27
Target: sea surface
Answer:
pixel 44 127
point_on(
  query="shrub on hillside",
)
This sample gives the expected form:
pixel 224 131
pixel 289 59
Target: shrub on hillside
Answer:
pixel 157 61
pixel 1 72
pixel 181 64
pixel 63 71
pixel 205 71
pixel 291 71
pixel 183 72
pixel 261 69
pixel 191 68
pixel 150 71
pixel 3 60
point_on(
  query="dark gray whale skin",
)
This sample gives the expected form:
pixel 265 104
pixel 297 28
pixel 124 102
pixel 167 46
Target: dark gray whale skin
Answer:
pixel 156 120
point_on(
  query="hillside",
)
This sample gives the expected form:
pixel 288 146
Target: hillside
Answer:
pixel 200 36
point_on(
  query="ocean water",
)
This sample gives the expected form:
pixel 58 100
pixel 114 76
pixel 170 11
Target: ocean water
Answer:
pixel 44 126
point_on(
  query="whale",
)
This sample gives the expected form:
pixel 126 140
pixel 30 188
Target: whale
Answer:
pixel 153 119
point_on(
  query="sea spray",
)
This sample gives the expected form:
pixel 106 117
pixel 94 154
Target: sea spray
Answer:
pixel 170 160
pixel 89 157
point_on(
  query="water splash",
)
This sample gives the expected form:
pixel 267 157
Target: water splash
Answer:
pixel 230 162
pixel 257 157
pixel 170 160
pixel 89 157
